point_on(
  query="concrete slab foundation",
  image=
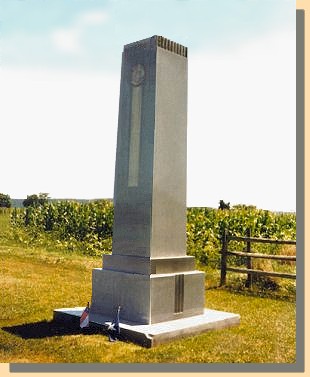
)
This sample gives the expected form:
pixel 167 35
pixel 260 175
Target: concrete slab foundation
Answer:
pixel 158 333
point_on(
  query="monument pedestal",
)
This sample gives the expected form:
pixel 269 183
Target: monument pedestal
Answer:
pixel 147 299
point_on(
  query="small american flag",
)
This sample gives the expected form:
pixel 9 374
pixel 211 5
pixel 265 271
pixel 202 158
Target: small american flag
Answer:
pixel 84 319
pixel 114 330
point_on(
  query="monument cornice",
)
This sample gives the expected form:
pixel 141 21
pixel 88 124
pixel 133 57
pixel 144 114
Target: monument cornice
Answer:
pixel 158 41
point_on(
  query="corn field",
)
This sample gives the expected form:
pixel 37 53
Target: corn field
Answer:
pixel 70 224
pixel 89 226
pixel 205 227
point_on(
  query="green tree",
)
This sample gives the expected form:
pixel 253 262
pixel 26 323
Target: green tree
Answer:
pixel 35 200
pixel 224 205
pixel 5 201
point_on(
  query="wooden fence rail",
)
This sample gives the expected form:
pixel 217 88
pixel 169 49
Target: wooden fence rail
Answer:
pixel 249 255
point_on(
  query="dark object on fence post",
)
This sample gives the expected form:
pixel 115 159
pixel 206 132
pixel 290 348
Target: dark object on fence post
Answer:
pixel 224 258
pixel 248 282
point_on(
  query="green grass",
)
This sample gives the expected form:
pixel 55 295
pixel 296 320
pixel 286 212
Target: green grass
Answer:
pixel 35 281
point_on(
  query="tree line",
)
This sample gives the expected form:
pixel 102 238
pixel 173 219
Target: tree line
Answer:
pixel 32 200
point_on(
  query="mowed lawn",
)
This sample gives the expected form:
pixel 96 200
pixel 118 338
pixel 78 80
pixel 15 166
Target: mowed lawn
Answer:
pixel 35 281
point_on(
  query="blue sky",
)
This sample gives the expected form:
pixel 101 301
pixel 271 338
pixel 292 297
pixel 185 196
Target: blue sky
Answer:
pixel 101 28
pixel 60 73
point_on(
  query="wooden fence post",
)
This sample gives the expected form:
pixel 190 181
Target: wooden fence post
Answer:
pixel 249 265
pixel 224 258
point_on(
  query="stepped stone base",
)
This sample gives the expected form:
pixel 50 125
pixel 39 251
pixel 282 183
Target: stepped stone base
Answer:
pixel 154 334
pixel 147 299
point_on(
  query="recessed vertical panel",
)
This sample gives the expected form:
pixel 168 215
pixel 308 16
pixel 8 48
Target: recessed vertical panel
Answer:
pixel 135 131
pixel 179 293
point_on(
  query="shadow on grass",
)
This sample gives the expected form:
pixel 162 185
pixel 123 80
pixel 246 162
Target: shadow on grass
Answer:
pixel 47 329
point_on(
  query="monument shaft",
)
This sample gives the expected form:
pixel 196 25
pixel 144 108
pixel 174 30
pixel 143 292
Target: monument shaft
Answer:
pixel 150 175
pixel 148 273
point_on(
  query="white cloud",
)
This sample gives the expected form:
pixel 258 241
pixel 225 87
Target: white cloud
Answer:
pixel 94 17
pixel 69 39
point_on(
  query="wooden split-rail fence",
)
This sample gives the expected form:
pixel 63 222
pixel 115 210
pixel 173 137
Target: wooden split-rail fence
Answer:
pixel 249 254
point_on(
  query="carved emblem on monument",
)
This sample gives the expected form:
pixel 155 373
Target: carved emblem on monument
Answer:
pixel 137 74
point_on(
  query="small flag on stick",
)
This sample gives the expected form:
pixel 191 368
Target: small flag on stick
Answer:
pixel 114 329
pixel 84 319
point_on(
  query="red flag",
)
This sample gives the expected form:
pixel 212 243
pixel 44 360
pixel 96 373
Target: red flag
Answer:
pixel 84 319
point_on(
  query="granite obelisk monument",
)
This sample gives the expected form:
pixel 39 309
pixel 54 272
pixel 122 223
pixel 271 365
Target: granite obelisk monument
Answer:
pixel 149 274
pixel 148 279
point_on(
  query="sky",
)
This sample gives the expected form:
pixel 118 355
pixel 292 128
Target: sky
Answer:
pixel 60 64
